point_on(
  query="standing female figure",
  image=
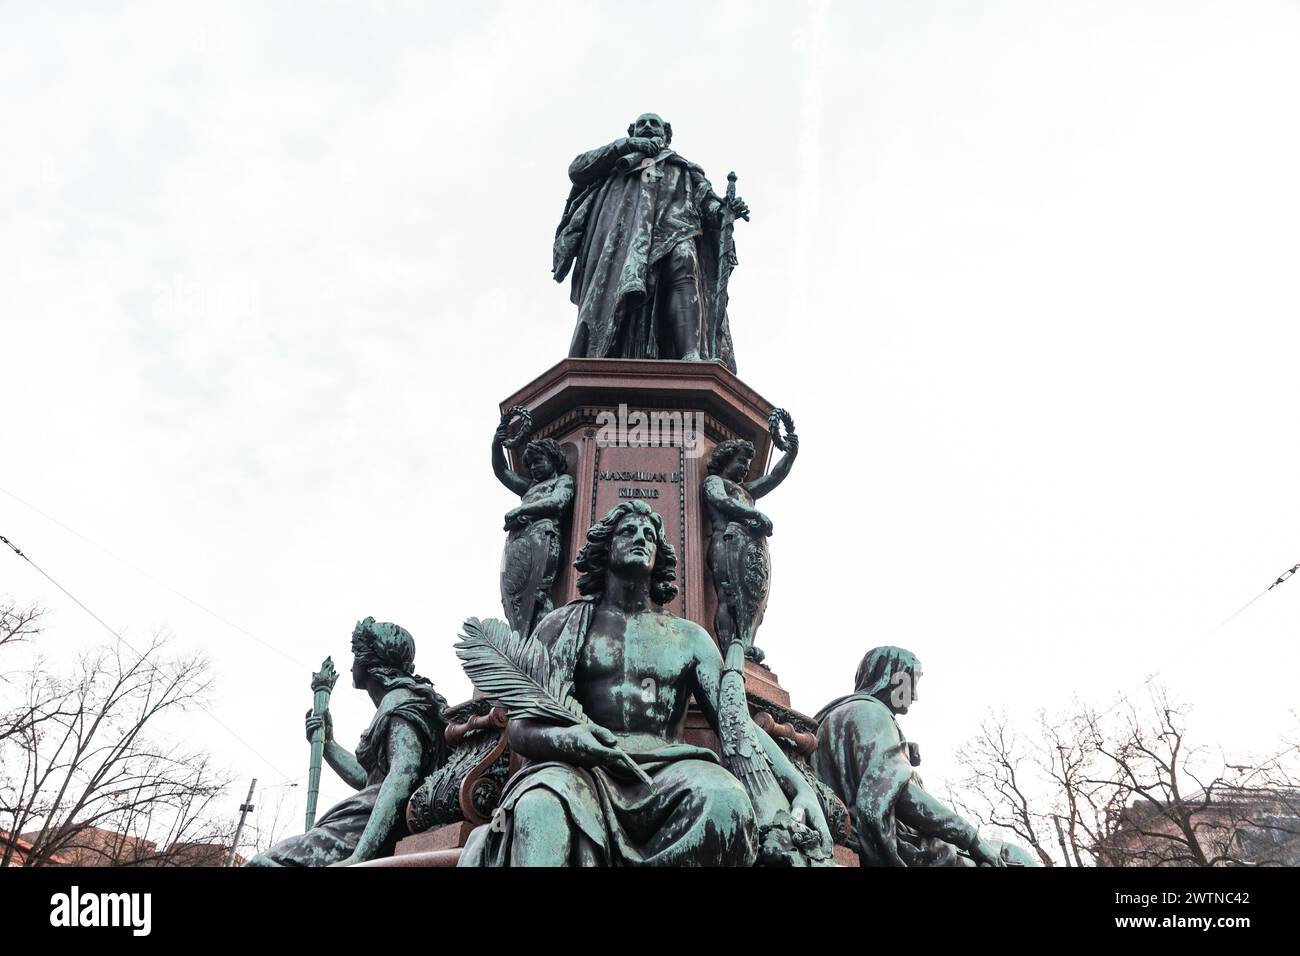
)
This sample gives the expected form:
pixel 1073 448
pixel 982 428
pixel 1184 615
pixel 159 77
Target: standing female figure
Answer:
pixel 532 554
pixel 738 554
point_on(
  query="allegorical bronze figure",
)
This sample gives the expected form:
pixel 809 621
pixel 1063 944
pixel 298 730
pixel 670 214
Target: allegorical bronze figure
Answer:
pixel 403 743
pixel 863 756
pixel 650 246
pixel 738 554
pixel 632 668
pixel 535 529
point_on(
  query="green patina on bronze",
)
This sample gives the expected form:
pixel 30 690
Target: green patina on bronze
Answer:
pixel 322 685
pixel 738 554
pixel 864 758
pixel 650 246
pixel 598 691
pixel 403 743
pixel 535 528
pixel 634 669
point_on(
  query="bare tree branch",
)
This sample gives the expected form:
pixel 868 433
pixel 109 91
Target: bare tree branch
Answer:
pixel 86 770
pixel 1131 790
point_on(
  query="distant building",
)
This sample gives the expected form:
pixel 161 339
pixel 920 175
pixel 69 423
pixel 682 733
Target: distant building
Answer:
pixel 22 851
pixel 197 854
pixel 95 846
pixel 1259 828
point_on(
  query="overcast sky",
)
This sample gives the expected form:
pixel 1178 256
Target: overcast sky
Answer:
pixel 1024 273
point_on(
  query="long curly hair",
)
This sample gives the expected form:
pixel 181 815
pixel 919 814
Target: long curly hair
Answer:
pixel 593 559
pixel 726 451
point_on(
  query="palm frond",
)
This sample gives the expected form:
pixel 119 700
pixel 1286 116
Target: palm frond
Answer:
pixel 515 672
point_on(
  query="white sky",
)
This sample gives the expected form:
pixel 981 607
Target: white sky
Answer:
pixel 1025 274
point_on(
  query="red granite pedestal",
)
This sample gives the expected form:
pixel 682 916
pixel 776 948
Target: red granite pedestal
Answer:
pixel 643 429
pixel 668 417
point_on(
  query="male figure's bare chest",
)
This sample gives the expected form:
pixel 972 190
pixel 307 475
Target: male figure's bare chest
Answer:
pixel 622 650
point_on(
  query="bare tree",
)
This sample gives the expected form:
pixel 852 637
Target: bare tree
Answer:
pixel 993 793
pixel 1182 804
pixel 1129 789
pixel 18 623
pixel 85 770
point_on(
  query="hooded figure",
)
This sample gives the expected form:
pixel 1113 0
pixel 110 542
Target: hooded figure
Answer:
pixel 863 756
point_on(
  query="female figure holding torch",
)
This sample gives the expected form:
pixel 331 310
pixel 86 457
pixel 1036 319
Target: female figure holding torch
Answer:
pixel 403 744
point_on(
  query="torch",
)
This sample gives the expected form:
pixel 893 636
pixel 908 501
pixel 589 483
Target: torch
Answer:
pixel 322 682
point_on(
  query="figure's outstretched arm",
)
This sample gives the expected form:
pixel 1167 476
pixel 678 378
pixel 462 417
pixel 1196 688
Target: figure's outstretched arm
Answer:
pixel 515 482
pixel 341 760
pixel 405 755
pixel 345 764
pixel 929 817
pixel 766 484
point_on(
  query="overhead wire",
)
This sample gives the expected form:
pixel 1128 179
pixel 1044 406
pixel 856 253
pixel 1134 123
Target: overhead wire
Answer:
pixel 1124 696
pixel 163 584
pixel 139 656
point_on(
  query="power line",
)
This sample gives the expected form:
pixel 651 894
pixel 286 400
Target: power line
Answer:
pixel 162 584
pixel 1283 576
pixel 1124 697
pixel 140 657
pixel 13 547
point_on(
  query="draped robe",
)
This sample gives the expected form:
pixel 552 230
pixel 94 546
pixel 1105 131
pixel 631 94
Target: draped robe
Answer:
pixel 621 223
pixel 336 834
pixel 862 755
pixel 696 813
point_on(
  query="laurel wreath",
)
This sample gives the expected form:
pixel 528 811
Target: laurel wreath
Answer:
pixel 779 418
pixel 519 414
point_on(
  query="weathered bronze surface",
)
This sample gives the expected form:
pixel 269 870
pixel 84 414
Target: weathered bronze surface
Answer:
pixel 738 554
pixel 322 685
pixel 633 669
pixel 863 756
pixel 615 730
pixel 535 529
pixel 403 743
pixel 467 786
pixel 650 246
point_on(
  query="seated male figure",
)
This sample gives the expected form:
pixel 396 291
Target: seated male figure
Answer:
pixel 635 668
